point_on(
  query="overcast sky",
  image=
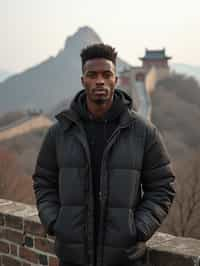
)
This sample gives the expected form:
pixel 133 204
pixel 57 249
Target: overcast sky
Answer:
pixel 32 30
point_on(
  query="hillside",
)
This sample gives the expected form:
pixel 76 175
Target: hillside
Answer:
pixel 188 70
pixel 44 86
pixel 176 112
pixel 17 161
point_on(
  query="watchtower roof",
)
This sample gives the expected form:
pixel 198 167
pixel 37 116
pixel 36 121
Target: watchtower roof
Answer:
pixel 155 55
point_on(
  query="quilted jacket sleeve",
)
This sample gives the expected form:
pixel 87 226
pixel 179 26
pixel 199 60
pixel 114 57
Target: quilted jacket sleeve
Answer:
pixel 157 184
pixel 45 182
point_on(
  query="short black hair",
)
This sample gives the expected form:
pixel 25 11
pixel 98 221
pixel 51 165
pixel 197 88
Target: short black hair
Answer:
pixel 98 50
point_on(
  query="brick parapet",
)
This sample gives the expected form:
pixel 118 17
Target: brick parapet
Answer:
pixel 23 241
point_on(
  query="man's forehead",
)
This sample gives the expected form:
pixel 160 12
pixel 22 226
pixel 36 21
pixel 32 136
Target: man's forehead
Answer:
pixel 98 64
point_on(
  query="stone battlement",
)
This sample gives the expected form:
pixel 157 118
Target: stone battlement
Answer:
pixel 23 241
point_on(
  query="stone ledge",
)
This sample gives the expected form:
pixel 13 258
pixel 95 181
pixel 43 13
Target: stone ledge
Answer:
pixel 165 250
pixel 17 209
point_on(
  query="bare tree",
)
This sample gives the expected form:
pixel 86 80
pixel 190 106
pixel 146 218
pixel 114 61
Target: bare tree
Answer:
pixel 184 217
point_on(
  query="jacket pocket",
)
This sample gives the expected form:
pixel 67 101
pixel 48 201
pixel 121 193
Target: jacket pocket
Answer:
pixel 136 251
pixel 69 225
pixel 120 228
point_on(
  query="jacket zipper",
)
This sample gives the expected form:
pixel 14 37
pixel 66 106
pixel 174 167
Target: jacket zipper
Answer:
pixel 103 195
pixel 110 142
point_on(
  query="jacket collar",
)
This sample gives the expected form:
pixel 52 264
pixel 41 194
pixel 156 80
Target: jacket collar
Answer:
pixel 70 117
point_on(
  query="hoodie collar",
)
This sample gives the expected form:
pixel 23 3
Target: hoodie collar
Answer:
pixel 80 107
pixel 122 104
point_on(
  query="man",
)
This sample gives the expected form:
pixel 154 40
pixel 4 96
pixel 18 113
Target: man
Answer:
pixel 103 183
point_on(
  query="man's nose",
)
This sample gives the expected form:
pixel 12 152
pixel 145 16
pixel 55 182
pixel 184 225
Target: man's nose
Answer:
pixel 100 80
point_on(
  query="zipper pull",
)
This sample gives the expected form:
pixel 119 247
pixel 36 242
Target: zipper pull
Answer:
pixel 100 195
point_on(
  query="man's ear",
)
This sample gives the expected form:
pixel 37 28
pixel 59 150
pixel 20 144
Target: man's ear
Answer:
pixel 82 80
pixel 116 80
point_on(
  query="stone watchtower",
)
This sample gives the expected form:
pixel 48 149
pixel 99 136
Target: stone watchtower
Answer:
pixel 140 81
pixel 155 58
pixel 155 64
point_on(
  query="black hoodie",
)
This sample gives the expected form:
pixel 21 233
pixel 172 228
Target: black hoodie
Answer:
pixel 98 132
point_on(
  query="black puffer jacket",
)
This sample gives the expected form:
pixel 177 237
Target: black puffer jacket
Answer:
pixel 98 132
pixel 136 189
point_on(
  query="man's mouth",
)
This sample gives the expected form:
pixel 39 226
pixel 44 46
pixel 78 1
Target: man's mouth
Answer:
pixel 100 91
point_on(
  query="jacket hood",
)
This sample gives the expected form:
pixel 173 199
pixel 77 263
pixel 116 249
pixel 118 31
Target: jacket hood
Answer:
pixel 125 98
pixel 120 103
pixel 78 108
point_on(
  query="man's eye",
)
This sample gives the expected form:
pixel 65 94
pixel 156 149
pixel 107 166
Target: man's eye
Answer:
pixel 107 74
pixel 91 75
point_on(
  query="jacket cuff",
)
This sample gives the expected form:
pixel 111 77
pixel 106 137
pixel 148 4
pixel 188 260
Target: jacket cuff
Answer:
pixel 48 217
pixel 140 236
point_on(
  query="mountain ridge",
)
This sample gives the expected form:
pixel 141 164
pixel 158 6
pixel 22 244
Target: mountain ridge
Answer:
pixel 44 85
pixel 4 74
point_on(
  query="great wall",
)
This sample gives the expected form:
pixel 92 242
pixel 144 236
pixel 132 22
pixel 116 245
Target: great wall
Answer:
pixel 24 126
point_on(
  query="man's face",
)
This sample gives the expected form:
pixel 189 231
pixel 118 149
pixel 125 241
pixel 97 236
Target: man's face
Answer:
pixel 99 80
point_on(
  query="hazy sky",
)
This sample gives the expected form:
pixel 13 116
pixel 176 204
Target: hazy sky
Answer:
pixel 32 30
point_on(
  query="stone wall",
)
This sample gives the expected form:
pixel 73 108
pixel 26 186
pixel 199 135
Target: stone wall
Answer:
pixel 23 241
pixel 24 126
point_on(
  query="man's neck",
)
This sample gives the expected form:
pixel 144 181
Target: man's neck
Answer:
pixel 98 110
